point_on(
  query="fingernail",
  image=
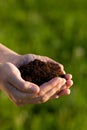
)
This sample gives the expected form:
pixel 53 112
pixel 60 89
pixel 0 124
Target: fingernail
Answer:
pixel 68 76
pixel 35 89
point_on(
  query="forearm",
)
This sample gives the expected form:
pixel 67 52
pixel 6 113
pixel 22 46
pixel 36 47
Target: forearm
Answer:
pixel 6 55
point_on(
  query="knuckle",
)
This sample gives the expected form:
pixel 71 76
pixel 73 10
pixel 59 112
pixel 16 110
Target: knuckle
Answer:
pixel 41 93
pixel 52 85
pixel 43 99
pixel 24 86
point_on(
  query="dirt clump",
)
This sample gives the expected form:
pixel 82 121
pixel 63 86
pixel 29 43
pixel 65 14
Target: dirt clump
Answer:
pixel 39 72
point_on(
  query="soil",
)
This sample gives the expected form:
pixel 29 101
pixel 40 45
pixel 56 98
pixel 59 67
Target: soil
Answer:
pixel 39 72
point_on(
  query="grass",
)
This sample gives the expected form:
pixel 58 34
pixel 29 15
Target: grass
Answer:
pixel 57 29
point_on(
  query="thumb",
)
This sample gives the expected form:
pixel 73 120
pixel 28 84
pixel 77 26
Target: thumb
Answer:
pixel 15 79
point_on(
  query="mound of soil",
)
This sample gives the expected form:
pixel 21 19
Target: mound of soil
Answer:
pixel 39 72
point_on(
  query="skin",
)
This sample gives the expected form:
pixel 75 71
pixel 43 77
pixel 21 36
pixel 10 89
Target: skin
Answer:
pixel 22 92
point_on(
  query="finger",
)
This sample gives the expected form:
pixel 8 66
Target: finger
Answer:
pixel 35 100
pixel 68 76
pixel 64 92
pixel 61 93
pixel 24 86
pixel 55 96
pixel 50 85
pixel 50 93
pixel 15 79
pixel 43 97
pixel 17 96
pixel 64 88
pixel 39 100
pixel 69 83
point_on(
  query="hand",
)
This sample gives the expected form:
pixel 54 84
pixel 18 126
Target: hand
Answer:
pixel 25 59
pixel 65 90
pixel 22 92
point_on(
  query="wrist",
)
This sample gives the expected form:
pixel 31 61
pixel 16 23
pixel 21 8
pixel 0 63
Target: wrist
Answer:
pixel 7 55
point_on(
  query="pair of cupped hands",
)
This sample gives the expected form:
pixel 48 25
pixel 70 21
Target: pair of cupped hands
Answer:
pixel 22 92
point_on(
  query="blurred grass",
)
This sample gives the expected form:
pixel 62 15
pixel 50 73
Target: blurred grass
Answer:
pixel 57 29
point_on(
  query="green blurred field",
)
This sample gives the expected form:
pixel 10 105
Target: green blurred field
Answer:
pixel 57 29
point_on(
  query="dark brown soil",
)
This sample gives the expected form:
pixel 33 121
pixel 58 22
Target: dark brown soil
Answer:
pixel 39 72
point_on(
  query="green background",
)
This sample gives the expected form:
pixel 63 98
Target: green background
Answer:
pixel 57 29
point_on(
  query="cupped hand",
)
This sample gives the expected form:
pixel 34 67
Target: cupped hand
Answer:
pixel 22 92
pixel 25 59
